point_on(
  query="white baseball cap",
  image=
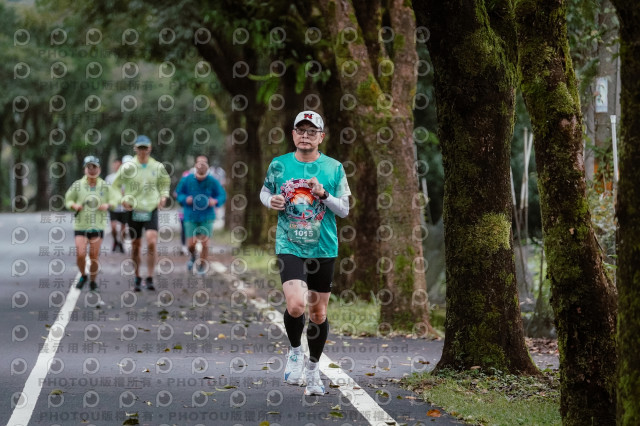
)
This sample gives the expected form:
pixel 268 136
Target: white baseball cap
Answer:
pixel 310 116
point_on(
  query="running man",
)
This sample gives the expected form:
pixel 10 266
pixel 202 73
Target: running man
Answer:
pixel 199 193
pixel 308 189
pixel 146 188
pixel 89 199
pixel 119 214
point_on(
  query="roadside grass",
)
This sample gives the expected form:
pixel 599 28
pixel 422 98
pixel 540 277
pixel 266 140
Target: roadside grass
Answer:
pixel 353 317
pixel 500 399
pixel 357 317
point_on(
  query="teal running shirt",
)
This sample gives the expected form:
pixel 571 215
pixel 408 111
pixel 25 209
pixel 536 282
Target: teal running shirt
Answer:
pixel 306 227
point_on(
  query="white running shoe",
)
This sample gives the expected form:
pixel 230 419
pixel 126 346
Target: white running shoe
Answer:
pixel 314 382
pixel 294 369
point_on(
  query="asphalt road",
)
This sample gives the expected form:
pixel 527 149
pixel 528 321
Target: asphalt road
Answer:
pixel 197 351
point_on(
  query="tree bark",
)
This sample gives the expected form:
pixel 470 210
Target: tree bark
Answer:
pixel 582 295
pixel 383 87
pixel 356 274
pixel 244 145
pixel 628 237
pixel 474 65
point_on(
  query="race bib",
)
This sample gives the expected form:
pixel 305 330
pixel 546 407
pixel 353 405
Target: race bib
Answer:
pixel 304 232
pixel 141 216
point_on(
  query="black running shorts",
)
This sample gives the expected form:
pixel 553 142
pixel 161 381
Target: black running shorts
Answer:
pixel 316 272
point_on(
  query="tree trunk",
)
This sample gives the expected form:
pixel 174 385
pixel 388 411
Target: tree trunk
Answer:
pixel 235 208
pixel 383 82
pixel 607 67
pixel 252 157
pixel 583 297
pixel 628 238
pixel 42 183
pixel 247 170
pixel 474 69
pixel 356 273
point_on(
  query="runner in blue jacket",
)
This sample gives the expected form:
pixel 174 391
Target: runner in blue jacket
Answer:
pixel 199 194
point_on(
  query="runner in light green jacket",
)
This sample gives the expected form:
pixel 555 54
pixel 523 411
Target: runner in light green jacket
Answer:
pixel 89 198
pixel 146 187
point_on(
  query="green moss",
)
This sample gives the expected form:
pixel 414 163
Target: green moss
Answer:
pixel 491 234
pixel 563 101
pixel 354 20
pixel 368 92
pixel 476 64
pixel 398 42
pixel 404 273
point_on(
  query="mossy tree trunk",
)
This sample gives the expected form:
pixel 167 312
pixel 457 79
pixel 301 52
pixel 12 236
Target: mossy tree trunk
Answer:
pixel 474 63
pixel 628 204
pixel 582 296
pixel 245 164
pixel 380 78
pixel 356 232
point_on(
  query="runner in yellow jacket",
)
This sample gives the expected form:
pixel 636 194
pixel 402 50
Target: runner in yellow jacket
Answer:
pixel 89 199
pixel 146 188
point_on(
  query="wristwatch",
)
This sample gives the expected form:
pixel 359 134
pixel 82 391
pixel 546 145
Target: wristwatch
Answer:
pixel 324 196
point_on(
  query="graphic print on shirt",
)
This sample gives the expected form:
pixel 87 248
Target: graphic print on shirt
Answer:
pixel 303 210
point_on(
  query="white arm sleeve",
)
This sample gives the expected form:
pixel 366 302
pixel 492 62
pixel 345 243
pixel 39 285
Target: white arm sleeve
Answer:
pixel 339 206
pixel 265 196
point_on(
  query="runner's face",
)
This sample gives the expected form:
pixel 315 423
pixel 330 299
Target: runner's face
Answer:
pixel 202 166
pixel 143 152
pixel 305 143
pixel 92 171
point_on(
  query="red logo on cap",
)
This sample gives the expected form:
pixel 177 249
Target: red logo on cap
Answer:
pixel 309 116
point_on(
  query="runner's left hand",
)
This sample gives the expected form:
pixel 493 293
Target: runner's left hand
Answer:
pixel 316 187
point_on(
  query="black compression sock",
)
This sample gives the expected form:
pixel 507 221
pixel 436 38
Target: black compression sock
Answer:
pixel 317 336
pixel 294 327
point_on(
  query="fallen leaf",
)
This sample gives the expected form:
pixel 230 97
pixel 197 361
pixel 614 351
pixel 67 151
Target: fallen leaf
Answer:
pixel 434 413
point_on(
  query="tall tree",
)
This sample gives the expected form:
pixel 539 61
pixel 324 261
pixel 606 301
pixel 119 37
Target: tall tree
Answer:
pixel 628 238
pixel 376 66
pixel 474 55
pixel 583 296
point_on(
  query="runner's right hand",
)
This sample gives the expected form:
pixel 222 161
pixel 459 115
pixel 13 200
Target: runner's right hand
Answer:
pixel 277 202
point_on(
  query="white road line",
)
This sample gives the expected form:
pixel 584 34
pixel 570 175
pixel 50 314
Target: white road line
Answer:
pixel 29 396
pixel 360 399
